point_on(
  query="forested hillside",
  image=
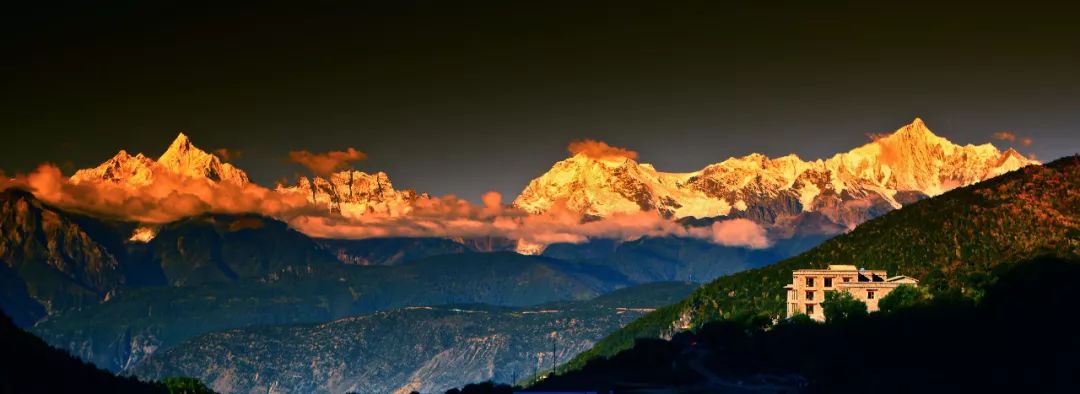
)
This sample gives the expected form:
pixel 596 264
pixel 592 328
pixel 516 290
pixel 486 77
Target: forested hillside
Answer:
pixel 1014 339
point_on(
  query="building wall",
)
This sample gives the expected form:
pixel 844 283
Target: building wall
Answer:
pixel 797 300
pixel 862 290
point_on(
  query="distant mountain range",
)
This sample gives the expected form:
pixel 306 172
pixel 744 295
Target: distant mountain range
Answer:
pixel 955 242
pixel 786 194
pixel 122 303
pixel 126 295
pixel 847 188
pixel 87 288
pixel 427 349
pixel 351 193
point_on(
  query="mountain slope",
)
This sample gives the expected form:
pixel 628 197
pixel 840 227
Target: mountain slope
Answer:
pixel 418 348
pixel 15 299
pixel 650 259
pixel 56 261
pixel 848 188
pixel 224 248
pixel 52 257
pixel 29 365
pixel 955 241
pixel 909 347
pixel 136 323
pixel 390 251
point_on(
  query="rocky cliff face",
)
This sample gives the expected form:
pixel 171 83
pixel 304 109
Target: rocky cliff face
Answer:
pixel 354 193
pixel 422 348
pixel 848 188
pixel 59 262
pixel 56 261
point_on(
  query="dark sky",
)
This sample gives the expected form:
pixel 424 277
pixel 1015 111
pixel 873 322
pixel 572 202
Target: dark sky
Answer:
pixel 463 97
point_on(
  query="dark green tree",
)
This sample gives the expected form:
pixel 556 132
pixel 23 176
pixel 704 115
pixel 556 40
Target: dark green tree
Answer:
pixel 841 305
pixel 801 318
pixel 903 296
pixel 185 385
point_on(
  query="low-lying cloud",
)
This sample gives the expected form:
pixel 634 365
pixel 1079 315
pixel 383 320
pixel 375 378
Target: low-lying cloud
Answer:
pixel 451 217
pixel 1004 136
pixel 327 162
pixel 739 232
pixel 1012 137
pixel 170 197
pixel 166 198
pixel 600 150
pixel 226 154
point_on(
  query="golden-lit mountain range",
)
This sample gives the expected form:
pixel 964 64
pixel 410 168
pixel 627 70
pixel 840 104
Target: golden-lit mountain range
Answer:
pixel 784 195
pixel 847 188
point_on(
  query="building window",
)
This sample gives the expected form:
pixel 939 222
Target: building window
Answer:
pixel 846 280
pixel 869 294
pixel 809 296
pixel 809 281
pixel 828 282
pixel 809 309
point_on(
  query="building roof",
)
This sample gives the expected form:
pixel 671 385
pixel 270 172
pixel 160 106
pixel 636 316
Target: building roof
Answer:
pixel 841 267
pixel 868 285
pixel 902 279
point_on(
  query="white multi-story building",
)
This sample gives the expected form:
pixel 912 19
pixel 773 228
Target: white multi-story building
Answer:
pixel 808 287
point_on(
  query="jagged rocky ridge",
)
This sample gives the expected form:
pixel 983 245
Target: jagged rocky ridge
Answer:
pixel 181 158
pixel 790 197
pixel 847 188
pixel 355 193
pixel 51 261
pixel 350 193
pixel 844 190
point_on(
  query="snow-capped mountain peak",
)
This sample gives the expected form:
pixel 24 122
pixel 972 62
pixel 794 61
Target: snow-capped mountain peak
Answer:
pixel 355 193
pixel 186 159
pixel 181 158
pixel 848 188
pixel 603 186
pixel 123 168
pixel 180 144
pixel 351 193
